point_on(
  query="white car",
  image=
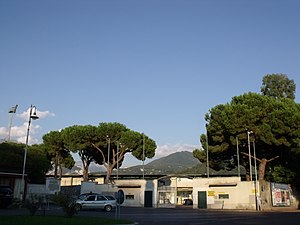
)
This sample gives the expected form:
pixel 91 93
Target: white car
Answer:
pixel 96 201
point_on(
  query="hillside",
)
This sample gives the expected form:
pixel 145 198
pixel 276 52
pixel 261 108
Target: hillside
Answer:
pixel 170 164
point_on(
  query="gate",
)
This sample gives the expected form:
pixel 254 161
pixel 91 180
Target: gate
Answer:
pixel 202 200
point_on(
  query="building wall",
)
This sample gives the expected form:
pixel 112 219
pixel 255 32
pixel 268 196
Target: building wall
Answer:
pixel 134 190
pixel 169 191
pixel 74 181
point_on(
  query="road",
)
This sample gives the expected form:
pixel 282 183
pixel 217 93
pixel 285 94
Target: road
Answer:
pixel 189 216
pixel 185 216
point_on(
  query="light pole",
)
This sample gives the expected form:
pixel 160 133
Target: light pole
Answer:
pixel 118 146
pixel 32 115
pixel 207 162
pixel 143 156
pixel 238 156
pixel 11 112
pixel 248 135
pixel 108 158
pixel 256 189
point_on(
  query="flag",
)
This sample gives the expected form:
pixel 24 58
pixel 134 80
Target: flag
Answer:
pixel 13 109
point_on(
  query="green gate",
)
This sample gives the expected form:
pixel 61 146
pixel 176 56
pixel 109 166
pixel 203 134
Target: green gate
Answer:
pixel 202 200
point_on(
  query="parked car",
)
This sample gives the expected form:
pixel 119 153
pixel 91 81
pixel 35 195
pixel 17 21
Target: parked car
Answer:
pixel 6 196
pixel 84 195
pixel 95 201
pixel 188 202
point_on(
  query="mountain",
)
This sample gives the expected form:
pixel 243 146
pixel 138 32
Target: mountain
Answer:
pixel 171 164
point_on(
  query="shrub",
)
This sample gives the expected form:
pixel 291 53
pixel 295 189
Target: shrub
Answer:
pixel 66 202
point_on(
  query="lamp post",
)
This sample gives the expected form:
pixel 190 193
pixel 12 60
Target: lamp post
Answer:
pixel 143 156
pixel 248 135
pixel 207 162
pixel 118 149
pixel 32 116
pixel 238 156
pixel 256 189
pixel 108 158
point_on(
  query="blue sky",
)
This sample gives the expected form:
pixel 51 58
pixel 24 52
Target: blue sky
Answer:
pixel 155 66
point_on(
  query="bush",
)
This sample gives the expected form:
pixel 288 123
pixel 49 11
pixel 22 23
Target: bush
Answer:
pixel 66 202
pixel 33 204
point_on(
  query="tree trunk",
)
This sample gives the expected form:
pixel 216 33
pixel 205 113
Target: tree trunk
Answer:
pixel 59 171
pixel 262 169
pixel 55 165
pixel 108 174
pixel 85 172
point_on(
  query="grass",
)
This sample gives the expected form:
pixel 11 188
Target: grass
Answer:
pixel 58 220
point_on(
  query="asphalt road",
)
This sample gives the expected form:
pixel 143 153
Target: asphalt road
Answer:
pixel 189 216
pixel 185 216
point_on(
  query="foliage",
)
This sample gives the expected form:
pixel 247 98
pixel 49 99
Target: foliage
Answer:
pixel 66 201
pixel 33 204
pixel 281 174
pixel 278 86
pixel 106 145
pixel 80 139
pixel 57 152
pixel 275 124
pixel 37 163
pixel 122 140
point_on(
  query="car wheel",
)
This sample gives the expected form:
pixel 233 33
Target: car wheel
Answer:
pixel 77 207
pixel 108 208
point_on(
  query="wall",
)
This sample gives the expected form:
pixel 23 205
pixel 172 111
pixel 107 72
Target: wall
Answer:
pixel 134 190
pixel 225 193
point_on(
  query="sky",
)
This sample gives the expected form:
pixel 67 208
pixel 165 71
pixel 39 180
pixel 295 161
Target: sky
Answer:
pixel 155 66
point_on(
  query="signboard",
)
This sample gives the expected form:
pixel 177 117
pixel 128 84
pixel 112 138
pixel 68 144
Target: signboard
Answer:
pixel 211 193
pixel 280 194
pixel 52 185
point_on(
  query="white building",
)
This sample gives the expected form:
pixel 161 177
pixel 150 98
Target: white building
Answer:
pixel 205 193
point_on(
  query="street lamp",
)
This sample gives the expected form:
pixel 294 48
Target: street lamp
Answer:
pixel 256 189
pixel 108 158
pixel 207 160
pixel 11 112
pixel 143 156
pixel 248 135
pixel 32 116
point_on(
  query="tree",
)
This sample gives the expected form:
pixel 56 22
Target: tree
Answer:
pixel 37 163
pixel 275 124
pixel 80 139
pixel 115 140
pixel 54 143
pixel 278 86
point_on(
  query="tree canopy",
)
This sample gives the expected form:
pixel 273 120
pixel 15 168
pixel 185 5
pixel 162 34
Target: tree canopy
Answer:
pixel 106 145
pixel 54 143
pixel 278 86
pixel 37 163
pixel 275 123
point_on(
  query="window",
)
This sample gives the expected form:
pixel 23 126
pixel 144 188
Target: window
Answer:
pixel 91 198
pixel 130 197
pixel 100 198
pixel 223 196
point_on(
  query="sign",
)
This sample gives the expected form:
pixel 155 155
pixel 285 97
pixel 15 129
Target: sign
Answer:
pixel 120 196
pixel 52 185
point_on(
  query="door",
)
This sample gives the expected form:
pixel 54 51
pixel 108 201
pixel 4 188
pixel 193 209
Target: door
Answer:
pixel 148 199
pixel 89 202
pixel 202 200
